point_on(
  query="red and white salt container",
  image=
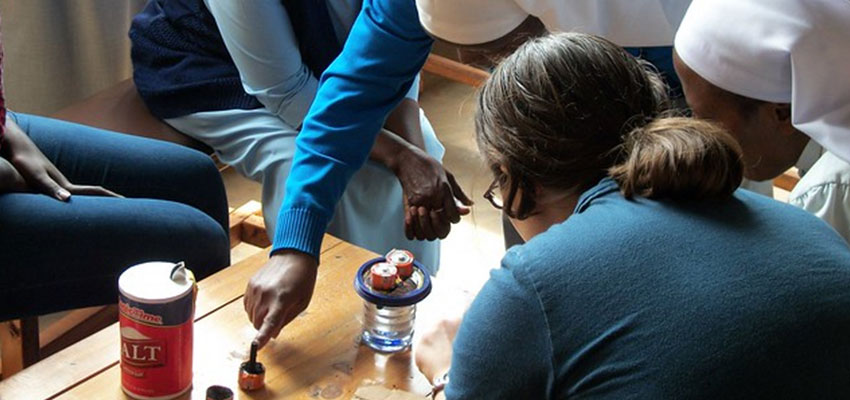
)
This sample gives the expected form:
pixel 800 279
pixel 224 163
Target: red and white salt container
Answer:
pixel 156 305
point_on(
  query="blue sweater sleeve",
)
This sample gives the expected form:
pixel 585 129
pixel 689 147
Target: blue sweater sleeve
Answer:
pixel 382 56
pixel 503 348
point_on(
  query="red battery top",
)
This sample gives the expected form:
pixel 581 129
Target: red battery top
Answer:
pixel 403 260
pixel 383 276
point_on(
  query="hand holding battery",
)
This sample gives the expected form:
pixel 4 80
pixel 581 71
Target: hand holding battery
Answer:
pixel 279 291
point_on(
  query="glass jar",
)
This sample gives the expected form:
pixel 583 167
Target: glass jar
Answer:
pixel 388 329
pixel 389 317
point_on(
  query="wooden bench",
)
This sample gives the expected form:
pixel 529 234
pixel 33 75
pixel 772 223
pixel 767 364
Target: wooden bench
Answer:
pixel 788 180
pixel 121 109
pixel 455 71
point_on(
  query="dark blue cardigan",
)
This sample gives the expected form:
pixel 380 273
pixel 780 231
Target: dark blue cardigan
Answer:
pixel 181 65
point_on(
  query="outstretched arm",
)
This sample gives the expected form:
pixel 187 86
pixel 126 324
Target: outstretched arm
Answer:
pixel 260 39
pixel 384 51
pixel 428 188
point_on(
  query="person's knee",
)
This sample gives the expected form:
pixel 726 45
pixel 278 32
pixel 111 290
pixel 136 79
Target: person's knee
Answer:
pixel 197 167
pixel 178 232
pixel 206 246
pixel 197 175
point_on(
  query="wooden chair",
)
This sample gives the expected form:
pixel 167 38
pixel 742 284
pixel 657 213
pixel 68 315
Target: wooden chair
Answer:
pixel 121 109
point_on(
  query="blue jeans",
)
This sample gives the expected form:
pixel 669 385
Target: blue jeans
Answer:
pixel 56 256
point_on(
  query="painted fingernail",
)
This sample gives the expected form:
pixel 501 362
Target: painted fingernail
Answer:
pixel 63 194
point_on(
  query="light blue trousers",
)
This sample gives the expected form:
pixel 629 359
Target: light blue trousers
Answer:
pixel 259 145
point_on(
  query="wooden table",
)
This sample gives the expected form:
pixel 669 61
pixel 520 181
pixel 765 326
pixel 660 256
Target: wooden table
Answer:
pixel 317 356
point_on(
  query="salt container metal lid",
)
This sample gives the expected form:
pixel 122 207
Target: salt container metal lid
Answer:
pixel 156 282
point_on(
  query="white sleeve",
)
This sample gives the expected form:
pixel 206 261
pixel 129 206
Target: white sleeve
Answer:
pixel 413 92
pixel 828 201
pixel 259 37
pixel 824 190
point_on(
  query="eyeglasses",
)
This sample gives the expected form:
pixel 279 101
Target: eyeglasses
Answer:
pixel 493 195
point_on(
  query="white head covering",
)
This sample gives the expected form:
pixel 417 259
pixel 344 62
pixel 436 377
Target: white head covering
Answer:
pixel 470 21
pixel 781 51
pixel 625 22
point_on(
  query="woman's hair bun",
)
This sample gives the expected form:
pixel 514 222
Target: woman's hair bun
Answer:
pixel 679 158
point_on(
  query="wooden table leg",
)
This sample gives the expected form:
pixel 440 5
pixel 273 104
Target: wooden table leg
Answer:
pixel 19 343
pixel 238 216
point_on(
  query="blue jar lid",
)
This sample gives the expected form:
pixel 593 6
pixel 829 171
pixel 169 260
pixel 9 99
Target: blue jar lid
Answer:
pixel 388 299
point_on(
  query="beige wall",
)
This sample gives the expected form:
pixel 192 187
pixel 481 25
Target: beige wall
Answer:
pixel 61 51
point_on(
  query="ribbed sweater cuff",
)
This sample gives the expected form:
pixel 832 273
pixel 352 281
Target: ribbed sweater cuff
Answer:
pixel 300 229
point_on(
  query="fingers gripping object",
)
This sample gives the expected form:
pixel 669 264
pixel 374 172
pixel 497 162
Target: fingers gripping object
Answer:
pixel 252 374
pixel 390 310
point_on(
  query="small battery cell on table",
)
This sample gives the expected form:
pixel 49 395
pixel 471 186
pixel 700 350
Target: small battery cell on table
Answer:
pixel 217 392
pixel 252 374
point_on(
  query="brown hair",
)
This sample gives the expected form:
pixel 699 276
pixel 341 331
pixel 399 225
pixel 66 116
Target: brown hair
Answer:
pixel 568 109
pixel 679 158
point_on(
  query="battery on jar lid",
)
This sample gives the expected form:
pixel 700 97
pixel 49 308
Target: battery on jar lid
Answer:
pixel 383 276
pixel 403 260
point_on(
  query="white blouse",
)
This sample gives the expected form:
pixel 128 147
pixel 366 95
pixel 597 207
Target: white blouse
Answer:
pixel 628 23
pixel 824 188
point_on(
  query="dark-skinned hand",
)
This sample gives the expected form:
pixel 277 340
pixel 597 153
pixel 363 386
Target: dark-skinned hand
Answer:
pixel 39 175
pixel 279 291
pixel 433 199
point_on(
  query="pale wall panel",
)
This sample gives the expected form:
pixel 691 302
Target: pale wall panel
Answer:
pixel 61 51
